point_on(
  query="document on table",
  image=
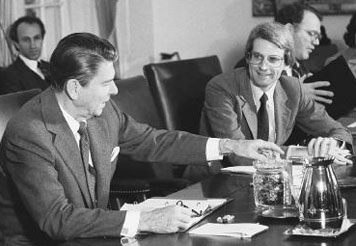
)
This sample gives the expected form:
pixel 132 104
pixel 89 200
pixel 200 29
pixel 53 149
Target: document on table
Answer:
pixel 241 230
pixel 201 207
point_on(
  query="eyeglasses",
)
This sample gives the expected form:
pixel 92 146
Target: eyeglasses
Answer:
pixel 314 35
pixel 256 58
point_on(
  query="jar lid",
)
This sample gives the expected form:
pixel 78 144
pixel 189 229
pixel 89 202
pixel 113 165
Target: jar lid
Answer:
pixel 270 164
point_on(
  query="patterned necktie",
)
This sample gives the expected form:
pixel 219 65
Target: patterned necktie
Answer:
pixel 262 116
pixel 84 145
pixel 43 70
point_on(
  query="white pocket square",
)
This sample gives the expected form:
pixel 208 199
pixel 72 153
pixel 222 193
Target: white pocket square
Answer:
pixel 114 153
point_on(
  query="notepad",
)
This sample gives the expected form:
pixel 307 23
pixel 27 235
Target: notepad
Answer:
pixel 203 207
pixel 241 230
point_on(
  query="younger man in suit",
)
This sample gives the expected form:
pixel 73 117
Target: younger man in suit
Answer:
pixel 27 72
pixel 256 102
pixel 56 154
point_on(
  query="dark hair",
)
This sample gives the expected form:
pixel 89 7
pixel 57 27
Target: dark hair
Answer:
pixel 294 13
pixel 276 33
pixel 78 56
pixel 28 20
pixel 349 36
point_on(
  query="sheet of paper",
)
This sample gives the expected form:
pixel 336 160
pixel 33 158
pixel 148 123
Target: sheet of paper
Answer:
pixel 203 207
pixel 249 170
pixel 233 230
pixel 352 125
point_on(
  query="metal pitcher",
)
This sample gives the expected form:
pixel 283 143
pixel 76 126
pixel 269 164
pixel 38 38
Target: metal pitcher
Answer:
pixel 320 201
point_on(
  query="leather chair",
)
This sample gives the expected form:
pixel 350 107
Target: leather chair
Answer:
pixel 11 103
pixel 178 88
pixel 134 180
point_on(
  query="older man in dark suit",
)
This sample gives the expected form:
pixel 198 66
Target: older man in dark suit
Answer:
pixel 58 154
pixel 28 71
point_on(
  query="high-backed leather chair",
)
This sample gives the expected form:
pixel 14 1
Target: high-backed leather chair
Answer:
pixel 11 103
pixel 139 178
pixel 178 88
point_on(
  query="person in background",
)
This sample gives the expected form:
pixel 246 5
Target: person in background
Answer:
pixel 256 102
pixel 305 24
pixel 28 71
pixel 59 153
pixel 349 53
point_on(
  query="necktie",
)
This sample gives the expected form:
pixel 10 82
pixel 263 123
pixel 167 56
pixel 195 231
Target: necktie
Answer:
pixel 84 145
pixel 43 70
pixel 262 116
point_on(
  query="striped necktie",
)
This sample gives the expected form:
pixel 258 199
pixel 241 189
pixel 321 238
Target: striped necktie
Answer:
pixel 84 145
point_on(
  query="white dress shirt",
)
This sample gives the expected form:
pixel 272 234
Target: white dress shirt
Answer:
pixel 33 65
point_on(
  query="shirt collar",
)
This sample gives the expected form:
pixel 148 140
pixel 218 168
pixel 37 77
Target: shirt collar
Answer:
pixel 73 123
pixel 257 92
pixel 32 64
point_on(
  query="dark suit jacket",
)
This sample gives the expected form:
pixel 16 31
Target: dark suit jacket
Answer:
pixel 19 77
pixel 229 111
pixel 43 189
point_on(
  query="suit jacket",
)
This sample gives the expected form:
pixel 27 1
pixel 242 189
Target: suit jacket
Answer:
pixel 229 112
pixel 43 190
pixel 19 77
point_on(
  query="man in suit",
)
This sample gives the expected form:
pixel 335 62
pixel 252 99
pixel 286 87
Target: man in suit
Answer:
pixel 58 154
pixel 233 101
pixel 305 24
pixel 28 71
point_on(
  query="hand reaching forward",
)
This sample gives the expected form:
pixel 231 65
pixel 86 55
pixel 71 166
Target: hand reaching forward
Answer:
pixel 325 147
pixel 252 149
pixel 311 90
pixel 168 219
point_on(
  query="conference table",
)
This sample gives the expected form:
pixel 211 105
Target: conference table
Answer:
pixel 238 188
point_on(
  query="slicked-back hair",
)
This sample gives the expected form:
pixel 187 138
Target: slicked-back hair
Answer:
pixel 28 20
pixel 78 56
pixel 276 33
pixel 349 36
pixel 294 13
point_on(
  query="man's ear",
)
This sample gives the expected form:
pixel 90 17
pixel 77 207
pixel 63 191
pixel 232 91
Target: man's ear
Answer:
pixel 72 88
pixel 16 45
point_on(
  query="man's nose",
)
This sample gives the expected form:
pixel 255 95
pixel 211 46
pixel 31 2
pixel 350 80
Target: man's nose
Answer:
pixel 264 63
pixel 316 42
pixel 113 88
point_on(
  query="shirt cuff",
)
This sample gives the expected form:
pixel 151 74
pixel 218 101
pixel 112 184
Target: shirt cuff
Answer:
pixel 130 227
pixel 212 149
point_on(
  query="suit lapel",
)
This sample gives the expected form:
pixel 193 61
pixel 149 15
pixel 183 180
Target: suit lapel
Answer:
pixel 282 113
pixel 100 152
pixel 248 106
pixel 64 140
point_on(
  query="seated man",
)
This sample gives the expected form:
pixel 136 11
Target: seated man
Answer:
pixel 234 107
pixel 28 71
pixel 59 152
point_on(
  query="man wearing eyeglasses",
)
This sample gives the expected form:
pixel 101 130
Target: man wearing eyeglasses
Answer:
pixel 256 102
pixel 304 22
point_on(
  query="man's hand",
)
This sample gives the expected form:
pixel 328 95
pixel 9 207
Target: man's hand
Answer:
pixel 252 149
pixel 326 147
pixel 311 90
pixel 169 219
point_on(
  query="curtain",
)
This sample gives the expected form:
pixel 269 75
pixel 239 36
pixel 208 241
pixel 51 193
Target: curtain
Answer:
pixel 6 18
pixel 106 13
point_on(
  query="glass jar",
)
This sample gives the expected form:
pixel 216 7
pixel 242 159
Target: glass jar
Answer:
pixel 272 184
